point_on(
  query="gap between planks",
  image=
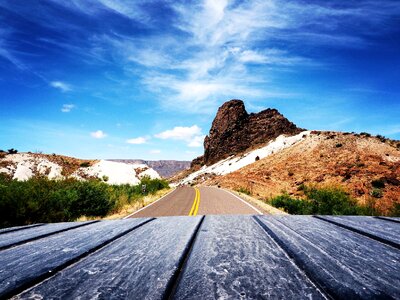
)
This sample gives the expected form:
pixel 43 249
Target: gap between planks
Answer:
pixel 369 235
pixel 176 277
pixel 293 257
pixel 53 272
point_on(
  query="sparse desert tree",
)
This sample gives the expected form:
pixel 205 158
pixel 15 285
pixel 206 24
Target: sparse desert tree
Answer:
pixel 12 151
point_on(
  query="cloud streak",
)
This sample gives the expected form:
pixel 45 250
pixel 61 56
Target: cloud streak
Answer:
pixel 191 135
pixel 66 108
pixel 225 42
pixel 99 134
pixel 137 141
pixel 62 86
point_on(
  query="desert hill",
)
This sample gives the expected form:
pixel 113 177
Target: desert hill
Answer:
pixel 285 158
pixel 366 167
pixel 23 166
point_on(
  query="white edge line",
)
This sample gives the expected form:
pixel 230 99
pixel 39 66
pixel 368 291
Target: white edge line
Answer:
pixel 148 205
pixel 245 202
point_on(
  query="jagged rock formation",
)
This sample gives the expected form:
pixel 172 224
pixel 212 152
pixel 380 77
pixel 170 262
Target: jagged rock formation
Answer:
pixel 234 131
pixel 166 168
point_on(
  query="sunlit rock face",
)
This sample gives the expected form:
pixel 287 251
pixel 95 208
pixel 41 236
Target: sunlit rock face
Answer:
pixel 234 130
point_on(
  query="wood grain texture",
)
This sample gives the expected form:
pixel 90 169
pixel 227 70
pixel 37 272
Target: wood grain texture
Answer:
pixel 385 232
pixel 18 237
pixel 229 257
pixel 27 264
pixel 140 265
pixel 343 263
pixel 233 258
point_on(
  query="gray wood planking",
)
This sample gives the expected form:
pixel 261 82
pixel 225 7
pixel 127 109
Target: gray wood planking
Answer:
pixel 15 228
pixel 21 266
pixel 232 258
pixel 345 264
pixel 239 257
pixel 386 232
pixel 392 219
pixel 17 237
pixel 141 265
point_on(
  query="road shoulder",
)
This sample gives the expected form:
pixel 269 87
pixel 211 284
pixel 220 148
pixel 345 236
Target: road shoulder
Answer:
pixel 259 204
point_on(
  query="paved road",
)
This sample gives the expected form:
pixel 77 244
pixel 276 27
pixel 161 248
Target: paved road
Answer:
pixel 189 201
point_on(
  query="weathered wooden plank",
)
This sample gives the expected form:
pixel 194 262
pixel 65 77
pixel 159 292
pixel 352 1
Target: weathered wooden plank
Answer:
pixel 15 228
pixel 233 258
pixel 14 238
pixel 390 219
pixel 343 263
pixel 140 265
pixel 385 232
pixel 28 264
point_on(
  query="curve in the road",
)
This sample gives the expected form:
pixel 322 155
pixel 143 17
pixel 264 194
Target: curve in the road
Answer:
pixel 191 201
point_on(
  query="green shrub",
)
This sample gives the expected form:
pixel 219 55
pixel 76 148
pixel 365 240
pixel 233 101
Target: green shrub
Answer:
pixel 85 164
pixel 289 204
pixel 395 212
pixel 42 200
pixel 324 201
pixel 366 134
pixel 243 190
pixel 153 185
pixel 330 201
pixel 12 151
pixel 376 193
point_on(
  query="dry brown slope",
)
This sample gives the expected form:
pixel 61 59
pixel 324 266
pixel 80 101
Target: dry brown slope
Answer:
pixel 325 158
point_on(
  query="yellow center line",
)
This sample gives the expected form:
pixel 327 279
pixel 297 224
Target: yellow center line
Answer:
pixel 196 203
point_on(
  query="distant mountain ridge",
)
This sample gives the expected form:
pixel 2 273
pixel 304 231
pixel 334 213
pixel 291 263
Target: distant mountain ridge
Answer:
pixel 166 168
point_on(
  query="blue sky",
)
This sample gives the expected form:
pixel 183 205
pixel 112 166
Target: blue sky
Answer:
pixel 143 79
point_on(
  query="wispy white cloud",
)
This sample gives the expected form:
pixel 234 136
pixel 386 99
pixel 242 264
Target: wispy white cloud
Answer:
pixel 99 134
pixel 197 141
pixel 225 35
pixel 67 107
pixel 137 141
pixel 210 49
pixel 155 151
pixel 191 135
pixel 62 86
pixel 180 133
pixel 6 52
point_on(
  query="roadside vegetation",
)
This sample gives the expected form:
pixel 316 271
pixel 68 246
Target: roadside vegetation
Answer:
pixel 325 201
pixel 39 199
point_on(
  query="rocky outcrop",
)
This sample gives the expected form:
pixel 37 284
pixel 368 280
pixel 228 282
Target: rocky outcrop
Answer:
pixel 234 130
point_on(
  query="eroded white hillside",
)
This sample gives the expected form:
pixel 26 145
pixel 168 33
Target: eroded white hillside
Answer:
pixel 117 172
pixel 22 166
pixel 235 163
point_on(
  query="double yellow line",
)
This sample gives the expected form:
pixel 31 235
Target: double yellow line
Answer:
pixel 196 202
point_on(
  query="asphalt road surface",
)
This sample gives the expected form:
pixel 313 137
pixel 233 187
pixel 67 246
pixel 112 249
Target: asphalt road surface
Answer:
pixel 192 201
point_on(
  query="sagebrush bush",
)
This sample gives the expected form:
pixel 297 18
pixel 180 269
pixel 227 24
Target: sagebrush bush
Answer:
pixel 42 200
pixel 243 190
pixel 321 201
pixel 290 205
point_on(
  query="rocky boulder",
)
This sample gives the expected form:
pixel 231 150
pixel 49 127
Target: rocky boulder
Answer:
pixel 234 130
